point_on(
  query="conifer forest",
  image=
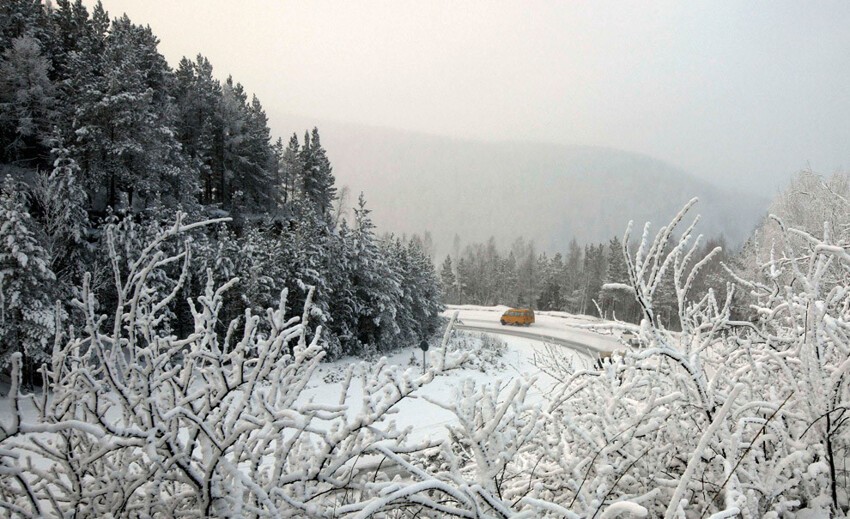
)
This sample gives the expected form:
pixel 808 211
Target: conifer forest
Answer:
pixel 198 320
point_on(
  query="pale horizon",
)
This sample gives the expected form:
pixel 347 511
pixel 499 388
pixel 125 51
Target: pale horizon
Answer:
pixel 742 95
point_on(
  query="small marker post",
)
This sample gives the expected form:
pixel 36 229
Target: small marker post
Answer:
pixel 424 347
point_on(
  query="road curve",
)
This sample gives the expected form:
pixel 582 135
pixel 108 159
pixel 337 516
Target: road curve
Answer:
pixel 528 334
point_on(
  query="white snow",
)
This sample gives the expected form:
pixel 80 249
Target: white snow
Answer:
pixel 559 325
pixel 429 420
pixel 426 419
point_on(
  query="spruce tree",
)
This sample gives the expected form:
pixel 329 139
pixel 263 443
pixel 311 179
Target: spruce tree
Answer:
pixel 318 181
pixel 376 286
pixel 27 102
pixel 447 281
pixel 423 288
pixel 27 313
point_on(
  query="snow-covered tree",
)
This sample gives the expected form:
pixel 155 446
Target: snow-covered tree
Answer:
pixel 317 183
pixel 447 281
pixel 27 312
pixel 124 125
pixel 550 297
pixel 291 169
pixel 613 300
pixel 376 287
pixel 27 100
pixel 245 180
pixel 208 424
pixel 197 96
pixel 64 221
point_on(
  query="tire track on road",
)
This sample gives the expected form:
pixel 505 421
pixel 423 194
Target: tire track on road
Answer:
pixel 587 351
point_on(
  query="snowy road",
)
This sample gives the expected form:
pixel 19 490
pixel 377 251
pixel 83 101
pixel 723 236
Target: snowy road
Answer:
pixel 533 335
pixel 550 327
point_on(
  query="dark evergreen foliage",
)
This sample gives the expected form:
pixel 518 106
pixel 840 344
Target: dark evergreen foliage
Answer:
pixel 589 280
pixel 106 142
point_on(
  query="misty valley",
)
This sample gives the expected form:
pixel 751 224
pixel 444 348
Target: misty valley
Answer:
pixel 208 309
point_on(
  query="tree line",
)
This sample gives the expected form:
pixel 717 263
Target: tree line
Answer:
pixel 725 416
pixel 102 144
pixel 588 280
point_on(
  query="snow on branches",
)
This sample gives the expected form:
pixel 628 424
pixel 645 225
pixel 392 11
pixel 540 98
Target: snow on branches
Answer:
pixel 139 422
pixel 723 418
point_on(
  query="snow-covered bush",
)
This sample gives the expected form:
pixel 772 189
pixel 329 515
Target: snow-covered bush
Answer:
pixel 484 351
pixel 725 417
pixel 140 422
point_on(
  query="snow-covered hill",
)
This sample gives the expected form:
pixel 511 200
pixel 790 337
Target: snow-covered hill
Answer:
pixel 545 192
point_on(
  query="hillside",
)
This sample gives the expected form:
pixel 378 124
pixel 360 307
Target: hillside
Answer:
pixel 548 193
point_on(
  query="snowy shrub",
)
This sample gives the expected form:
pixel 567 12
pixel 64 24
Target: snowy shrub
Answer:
pixel 724 418
pixel 334 375
pixel 139 422
pixel 484 351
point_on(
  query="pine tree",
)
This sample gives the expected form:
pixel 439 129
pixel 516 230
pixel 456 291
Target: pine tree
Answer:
pixel 448 281
pixel 27 313
pixel 124 125
pixel 318 181
pixel 199 124
pixel 292 169
pixel 258 170
pixel 24 18
pixel 27 101
pixel 73 34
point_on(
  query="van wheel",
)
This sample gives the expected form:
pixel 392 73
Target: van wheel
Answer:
pixel 503 322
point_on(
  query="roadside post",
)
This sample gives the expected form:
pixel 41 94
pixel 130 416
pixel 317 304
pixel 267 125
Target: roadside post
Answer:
pixel 424 347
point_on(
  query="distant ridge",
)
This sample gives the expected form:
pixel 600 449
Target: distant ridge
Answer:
pixel 545 192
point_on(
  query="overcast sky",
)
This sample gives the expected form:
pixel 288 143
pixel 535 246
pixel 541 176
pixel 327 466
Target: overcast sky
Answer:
pixel 743 93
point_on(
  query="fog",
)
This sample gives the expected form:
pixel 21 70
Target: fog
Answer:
pixel 739 93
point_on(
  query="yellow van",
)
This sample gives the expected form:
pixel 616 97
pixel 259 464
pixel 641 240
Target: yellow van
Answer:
pixel 518 317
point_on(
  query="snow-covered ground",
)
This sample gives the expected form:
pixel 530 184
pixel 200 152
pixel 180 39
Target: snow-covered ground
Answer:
pixel 500 359
pixel 428 420
pixel 517 361
pixel 547 325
